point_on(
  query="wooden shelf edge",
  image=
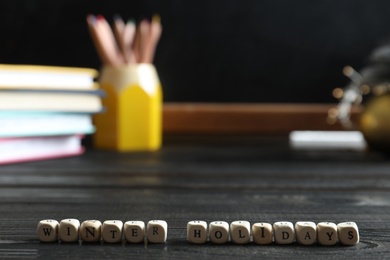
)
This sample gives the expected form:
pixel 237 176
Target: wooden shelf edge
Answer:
pixel 236 118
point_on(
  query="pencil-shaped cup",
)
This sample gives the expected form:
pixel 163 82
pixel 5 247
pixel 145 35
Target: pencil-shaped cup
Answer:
pixel 132 120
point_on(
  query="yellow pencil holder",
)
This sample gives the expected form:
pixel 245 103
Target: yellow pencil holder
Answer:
pixel 133 109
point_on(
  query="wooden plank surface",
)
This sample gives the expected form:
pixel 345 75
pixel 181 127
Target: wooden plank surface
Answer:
pixel 232 118
pixel 249 178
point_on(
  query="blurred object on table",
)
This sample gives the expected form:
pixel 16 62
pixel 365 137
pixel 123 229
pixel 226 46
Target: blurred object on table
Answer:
pixel 371 88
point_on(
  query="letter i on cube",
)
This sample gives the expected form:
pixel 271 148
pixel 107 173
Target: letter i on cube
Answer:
pixel 68 230
pixel 262 233
pixel 47 230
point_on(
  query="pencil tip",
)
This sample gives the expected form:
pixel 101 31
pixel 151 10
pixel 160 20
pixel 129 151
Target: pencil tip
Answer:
pixel 131 21
pixel 117 17
pixel 100 17
pixel 91 18
pixel 156 18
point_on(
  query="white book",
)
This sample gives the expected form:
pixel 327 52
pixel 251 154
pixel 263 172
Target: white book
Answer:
pixel 46 77
pixel 86 101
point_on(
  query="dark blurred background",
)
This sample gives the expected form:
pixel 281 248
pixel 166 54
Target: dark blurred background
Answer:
pixel 213 50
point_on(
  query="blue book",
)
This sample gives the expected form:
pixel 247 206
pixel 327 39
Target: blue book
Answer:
pixel 26 123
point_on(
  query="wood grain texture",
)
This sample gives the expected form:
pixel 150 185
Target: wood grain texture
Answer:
pixel 213 118
pixel 254 179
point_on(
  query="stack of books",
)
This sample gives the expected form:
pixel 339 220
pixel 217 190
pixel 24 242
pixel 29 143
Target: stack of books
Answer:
pixel 45 111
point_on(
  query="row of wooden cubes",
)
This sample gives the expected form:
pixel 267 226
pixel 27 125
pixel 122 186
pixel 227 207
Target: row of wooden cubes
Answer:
pixel 110 231
pixel 283 232
pixel 198 232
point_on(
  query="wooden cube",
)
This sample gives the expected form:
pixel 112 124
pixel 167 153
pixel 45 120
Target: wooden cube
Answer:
pixel 112 231
pixel 327 233
pixel 68 230
pixel 156 231
pixel 90 230
pixel 240 232
pixel 306 232
pixel 262 233
pixel 197 231
pixel 219 232
pixel 47 230
pixel 348 233
pixel 284 232
pixel 134 231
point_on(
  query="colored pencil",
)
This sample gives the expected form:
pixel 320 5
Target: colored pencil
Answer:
pixel 124 43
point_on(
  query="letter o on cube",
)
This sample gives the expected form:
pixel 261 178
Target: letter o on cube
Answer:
pixel 219 232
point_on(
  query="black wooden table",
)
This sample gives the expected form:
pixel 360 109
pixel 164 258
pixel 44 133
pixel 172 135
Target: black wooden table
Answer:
pixel 229 178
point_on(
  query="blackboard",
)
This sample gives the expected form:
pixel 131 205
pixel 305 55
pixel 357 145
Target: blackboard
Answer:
pixel 214 50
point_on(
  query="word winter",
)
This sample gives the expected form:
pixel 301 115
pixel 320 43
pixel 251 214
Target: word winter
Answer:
pixel 284 232
pixel 111 231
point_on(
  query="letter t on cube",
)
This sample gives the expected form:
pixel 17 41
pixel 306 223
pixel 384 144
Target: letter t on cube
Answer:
pixel 112 231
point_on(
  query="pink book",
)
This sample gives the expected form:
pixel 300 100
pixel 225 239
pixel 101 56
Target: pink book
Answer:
pixel 14 150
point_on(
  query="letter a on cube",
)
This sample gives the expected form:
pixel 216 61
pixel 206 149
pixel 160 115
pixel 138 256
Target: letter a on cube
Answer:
pixel 306 232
